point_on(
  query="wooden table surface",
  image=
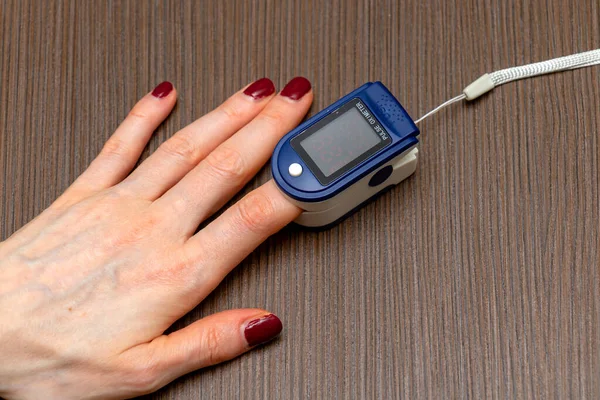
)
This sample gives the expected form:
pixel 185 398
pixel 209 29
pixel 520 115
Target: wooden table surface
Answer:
pixel 478 277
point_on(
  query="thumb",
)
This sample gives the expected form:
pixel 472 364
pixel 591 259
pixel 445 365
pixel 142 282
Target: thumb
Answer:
pixel 211 340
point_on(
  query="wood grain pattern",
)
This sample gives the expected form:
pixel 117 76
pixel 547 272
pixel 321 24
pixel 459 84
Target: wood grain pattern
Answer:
pixel 479 277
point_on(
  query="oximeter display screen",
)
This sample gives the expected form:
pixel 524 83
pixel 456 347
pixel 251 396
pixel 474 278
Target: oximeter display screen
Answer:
pixel 336 144
pixel 340 141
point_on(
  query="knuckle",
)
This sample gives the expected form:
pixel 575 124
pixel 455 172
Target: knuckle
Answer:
pixel 115 147
pixel 180 206
pixel 273 117
pixel 137 114
pixel 212 340
pixel 117 194
pixel 256 213
pixel 176 269
pixel 181 147
pixel 231 111
pixel 134 231
pixel 227 163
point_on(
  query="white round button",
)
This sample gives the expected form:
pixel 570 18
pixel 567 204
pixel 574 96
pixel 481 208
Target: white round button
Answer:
pixel 295 169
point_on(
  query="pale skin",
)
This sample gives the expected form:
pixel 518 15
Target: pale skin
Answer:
pixel 88 288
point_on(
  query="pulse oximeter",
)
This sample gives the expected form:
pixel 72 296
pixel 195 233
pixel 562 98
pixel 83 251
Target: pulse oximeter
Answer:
pixel 346 154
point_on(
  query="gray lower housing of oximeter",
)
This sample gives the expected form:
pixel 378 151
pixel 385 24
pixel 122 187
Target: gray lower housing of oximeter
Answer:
pixel 323 213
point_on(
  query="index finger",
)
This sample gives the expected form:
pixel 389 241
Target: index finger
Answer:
pixel 230 238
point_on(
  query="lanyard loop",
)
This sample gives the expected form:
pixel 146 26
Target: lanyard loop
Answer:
pixel 489 81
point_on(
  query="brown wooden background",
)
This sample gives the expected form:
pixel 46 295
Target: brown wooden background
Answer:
pixel 476 278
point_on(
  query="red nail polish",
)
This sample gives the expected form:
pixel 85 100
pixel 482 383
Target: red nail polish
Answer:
pixel 260 88
pixel 262 330
pixel 296 88
pixel 162 90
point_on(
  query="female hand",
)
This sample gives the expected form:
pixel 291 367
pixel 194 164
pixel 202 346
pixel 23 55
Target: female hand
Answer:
pixel 88 288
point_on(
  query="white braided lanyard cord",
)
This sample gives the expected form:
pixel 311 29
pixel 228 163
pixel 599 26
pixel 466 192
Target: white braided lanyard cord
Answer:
pixel 487 82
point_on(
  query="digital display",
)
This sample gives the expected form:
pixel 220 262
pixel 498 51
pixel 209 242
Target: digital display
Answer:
pixel 340 142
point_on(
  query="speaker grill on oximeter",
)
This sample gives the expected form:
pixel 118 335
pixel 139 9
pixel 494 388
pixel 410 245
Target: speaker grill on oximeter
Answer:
pixel 327 165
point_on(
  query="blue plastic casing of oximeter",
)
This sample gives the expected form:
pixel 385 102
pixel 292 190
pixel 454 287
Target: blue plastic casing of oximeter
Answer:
pixel 384 107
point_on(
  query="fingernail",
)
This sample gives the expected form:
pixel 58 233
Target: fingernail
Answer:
pixel 262 330
pixel 260 88
pixel 296 88
pixel 162 90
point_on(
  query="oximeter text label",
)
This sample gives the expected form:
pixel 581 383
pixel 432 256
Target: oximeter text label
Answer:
pixel 361 107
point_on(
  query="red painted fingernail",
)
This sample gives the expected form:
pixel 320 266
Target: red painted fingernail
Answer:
pixel 162 90
pixel 260 88
pixel 296 88
pixel 262 330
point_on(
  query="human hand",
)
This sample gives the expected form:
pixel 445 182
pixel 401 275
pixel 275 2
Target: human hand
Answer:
pixel 88 288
